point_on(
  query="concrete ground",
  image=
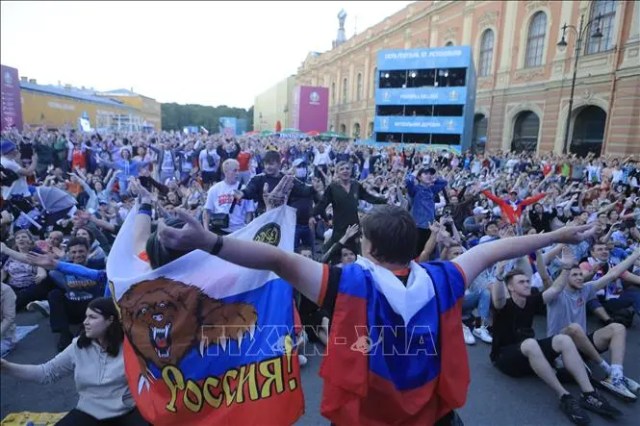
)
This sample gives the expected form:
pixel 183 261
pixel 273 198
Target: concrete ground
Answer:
pixel 493 400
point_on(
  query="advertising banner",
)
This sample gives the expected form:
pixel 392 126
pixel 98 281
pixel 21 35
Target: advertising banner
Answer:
pixel 442 57
pixel 11 103
pixel 422 96
pixel 440 125
pixel 228 126
pixel 312 109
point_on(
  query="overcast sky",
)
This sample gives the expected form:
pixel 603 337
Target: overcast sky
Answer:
pixel 188 52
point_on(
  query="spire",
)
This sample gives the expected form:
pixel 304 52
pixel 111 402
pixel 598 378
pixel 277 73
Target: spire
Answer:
pixel 342 37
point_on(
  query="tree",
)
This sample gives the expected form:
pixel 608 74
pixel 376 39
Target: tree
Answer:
pixel 176 117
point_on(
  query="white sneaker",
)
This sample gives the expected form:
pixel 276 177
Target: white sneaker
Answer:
pixel 631 384
pixel 468 336
pixel 302 360
pixel 39 306
pixel 483 334
pixel 618 388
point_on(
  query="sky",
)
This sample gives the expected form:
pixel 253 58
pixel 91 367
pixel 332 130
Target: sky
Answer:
pixel 208 53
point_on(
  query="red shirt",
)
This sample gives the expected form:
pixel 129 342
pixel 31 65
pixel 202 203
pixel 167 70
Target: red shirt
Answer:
pixel 243 161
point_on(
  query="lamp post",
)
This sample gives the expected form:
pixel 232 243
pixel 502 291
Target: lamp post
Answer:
pixel 562 44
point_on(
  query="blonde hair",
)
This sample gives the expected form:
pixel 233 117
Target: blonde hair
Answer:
pixel 228 163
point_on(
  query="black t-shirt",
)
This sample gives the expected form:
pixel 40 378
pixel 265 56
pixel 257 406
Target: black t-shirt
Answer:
pixel 513 324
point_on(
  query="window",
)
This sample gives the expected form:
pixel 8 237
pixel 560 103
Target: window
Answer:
pixel 535 40
pixel 356 130
pixel 607 10
pixel 486 53
pixel 359 87
pixel 344 91
pixel 525 132
pixel 448 44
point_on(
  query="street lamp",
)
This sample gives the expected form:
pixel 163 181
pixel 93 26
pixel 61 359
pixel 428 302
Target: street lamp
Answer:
pixel 562 44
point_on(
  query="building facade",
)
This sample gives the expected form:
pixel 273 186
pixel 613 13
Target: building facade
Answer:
pixel 148 108
pixel 62 106
pixel 273 105
pixel 524 77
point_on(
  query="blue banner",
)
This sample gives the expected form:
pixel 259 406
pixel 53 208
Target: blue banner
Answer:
pixel 422 96
pixel 444 57
pixel 439 125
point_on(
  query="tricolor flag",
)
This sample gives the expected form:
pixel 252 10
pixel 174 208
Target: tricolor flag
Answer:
pixel 208 342
pixel 396 353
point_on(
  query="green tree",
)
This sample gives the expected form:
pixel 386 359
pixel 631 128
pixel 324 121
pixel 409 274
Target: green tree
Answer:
pixel 176 116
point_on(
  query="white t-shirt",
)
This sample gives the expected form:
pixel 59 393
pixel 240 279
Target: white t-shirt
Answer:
pixel 204 164
pixel 19 186
pixel 219 200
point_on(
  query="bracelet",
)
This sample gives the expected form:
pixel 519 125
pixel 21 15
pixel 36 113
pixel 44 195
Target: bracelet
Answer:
pixel 217 246
pixel 147 212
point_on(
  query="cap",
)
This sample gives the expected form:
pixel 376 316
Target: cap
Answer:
pixel 7 146
pixel 480 210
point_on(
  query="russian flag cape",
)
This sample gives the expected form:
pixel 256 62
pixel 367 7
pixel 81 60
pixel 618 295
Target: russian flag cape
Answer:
pixel 396 353
pixel 209 342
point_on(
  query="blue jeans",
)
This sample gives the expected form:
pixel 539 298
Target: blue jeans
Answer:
pixel 629 297
pixel 480 299
pixel 304 237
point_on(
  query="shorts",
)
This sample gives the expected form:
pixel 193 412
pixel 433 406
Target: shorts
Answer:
pixel 208 177
pixel 512 362
pixel 590 337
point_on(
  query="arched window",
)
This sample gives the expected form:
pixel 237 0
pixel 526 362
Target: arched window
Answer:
pixel 359 87
pixel 525 132
pixel 344 90
pixel 448 44
pixel 343 129
pixel 333 93
pixel 370 131
pixel 607 10
pixel 535 40
pixel 486 53
pixel 356 130
pixel 479 136
pixel 588 131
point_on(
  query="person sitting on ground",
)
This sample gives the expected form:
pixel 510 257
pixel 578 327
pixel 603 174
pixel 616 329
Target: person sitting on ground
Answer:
pixel 517 353
pixel 567 314
pixel 96 361
pixel 8 318
pixel 25 280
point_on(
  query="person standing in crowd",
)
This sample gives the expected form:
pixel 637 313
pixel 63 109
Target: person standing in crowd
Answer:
pixel 14 181
pixel 96 361
pixel 209 161
pixel 423 207
pixel 343 195
pixel 221 200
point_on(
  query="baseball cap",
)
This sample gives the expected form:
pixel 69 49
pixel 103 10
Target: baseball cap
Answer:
pixel 480 210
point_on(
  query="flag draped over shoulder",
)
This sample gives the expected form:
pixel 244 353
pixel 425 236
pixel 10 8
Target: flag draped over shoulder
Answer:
pixel 396 353
pixel 209 342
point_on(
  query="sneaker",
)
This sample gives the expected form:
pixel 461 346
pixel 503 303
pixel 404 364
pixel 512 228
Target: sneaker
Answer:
pixel 468 336
pixel 594 401
pixel 631 384
pixel 618 388
pixel 483 334
pixel 302 360
pixel 39 306
pixel 570 407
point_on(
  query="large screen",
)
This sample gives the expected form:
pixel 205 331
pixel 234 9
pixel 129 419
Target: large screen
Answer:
pixel 425 96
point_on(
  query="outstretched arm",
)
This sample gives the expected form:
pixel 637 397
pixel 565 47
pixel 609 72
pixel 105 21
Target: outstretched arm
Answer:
pixel 481 257
pixel 617 271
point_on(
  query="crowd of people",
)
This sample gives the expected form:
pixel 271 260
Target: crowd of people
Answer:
pixel 513 235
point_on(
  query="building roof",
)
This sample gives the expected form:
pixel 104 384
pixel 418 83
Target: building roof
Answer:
pixel 72 93
pixel 120 92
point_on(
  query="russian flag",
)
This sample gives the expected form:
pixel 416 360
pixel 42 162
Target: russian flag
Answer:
pixel 208 342
pixel 396 353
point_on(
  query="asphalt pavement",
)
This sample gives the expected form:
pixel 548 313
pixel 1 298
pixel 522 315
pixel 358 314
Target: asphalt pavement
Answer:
pixel 493 399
